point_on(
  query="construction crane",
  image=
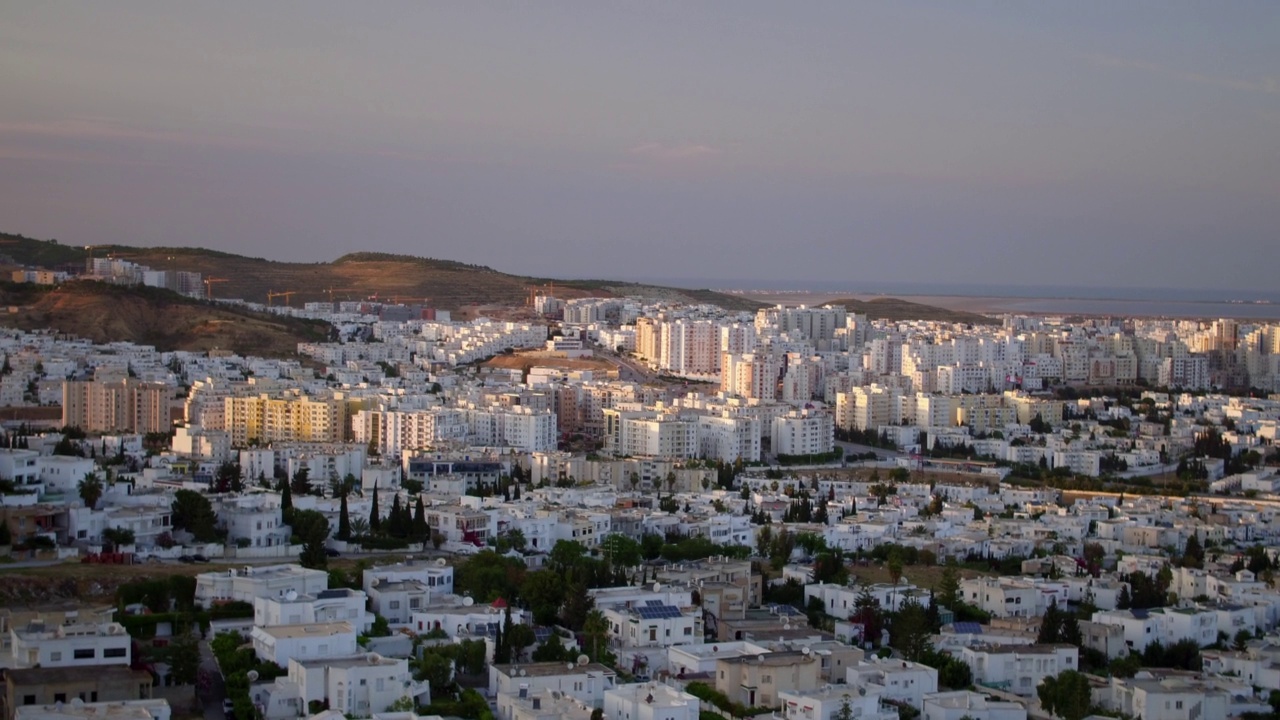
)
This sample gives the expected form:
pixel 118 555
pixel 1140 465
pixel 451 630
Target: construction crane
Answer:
pixel 209 282
pixel 536 290
pixel 272 295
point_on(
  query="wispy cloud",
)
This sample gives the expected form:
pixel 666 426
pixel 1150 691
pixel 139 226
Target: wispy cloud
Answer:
pixel 1266 85
pixel 97 128
pixel 661 151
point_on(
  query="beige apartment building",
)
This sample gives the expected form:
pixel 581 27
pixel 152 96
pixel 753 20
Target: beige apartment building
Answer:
pixel 126 405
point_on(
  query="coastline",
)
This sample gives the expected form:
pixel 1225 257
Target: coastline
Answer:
pixel 1075 306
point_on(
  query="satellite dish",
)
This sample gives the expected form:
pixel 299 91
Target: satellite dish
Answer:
pixel 291 596
pixel 786 626
pixel 468 602
pixel 441 562
pixel 569 665
pixel 657 587
pixel 252 675
pixel 583 660
pixel 523 672
pixel 806 651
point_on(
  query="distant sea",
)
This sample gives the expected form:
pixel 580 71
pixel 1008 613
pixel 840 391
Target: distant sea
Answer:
pixel 1037 300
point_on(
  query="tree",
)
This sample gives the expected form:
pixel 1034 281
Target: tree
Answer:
pixel 228 478
pixel 949 588
pixel 1066 695
pixel 436 669
pixel 311 527
pixel 519 639
pixel 301 483
pixel 543 591
pixel 621 551
pixel 488 576
pixel 910 631
pixel 116 537
pixel 1241 642
pixel 595 631
pixel 192 512
pixel 420 528
pixel 91 489
pixel 553 650
pixel 6 537
pixel 184 658
pixel 1193 553
pixel 375 520
pixel 344 520
pixel 286 499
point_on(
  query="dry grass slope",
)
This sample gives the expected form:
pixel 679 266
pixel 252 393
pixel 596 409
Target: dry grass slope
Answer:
pixel 440 283
pixel 895 309
pixel 107 313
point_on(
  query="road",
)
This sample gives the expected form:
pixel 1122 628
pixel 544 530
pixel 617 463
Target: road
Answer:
pixel 211 693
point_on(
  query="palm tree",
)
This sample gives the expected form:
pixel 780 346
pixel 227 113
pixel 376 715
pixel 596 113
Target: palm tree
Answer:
pixel 359 526
pixel 90 489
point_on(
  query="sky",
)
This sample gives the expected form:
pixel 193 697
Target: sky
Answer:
pixel 1096 144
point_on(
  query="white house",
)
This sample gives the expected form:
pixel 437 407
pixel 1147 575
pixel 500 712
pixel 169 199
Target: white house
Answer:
pixel 653 624
pixel 1018 669
pixel 901 679
pixel 650 701
pixel 586 682
pixel 965 703
pixel 279 643
pixel 827 701
pixel 149 709
pixel 255 519
pixel 326 606
pixel 254 581
pixel 356 685
pixel 69 645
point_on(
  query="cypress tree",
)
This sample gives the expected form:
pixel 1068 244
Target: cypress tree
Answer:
pixel 419 519
pixel 375 521
pixel 344 521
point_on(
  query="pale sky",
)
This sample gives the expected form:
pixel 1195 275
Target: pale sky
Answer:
pixel 1083 143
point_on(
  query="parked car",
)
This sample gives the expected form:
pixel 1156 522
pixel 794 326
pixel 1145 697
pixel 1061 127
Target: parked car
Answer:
pixel 228 708
pixel 186 559
pixel 200 558
pixel 331 552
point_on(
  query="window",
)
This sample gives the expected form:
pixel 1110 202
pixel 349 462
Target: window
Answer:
pixel 60 698
pixel 85 654
pixel 115 652
pixel 395 605
pixel 55 656
pixel 28 699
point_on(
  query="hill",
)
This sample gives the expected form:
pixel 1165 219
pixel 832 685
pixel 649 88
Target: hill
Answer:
pixel 398 278
pixel 109 313
pixel 894 309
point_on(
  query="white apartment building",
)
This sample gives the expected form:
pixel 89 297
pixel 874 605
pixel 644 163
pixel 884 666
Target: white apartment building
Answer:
pixel 728 438
pixel 751 375
pixel 803 432
pixel 397 600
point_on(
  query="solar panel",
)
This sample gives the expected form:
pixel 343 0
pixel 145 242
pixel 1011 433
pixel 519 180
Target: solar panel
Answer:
pixel 658 612
pixel 654 603
pixel 967 628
